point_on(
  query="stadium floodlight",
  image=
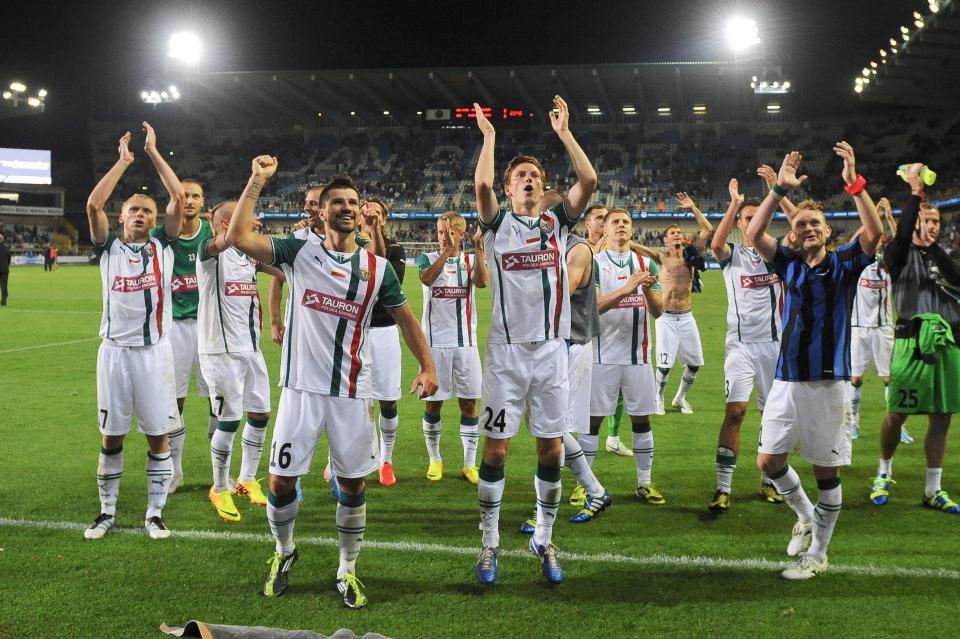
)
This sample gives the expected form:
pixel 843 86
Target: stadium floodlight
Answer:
pixel 917 16
pixel 664 110
pixel 185 47
pixel 934 6
pixel 865 72
pixel 593 109
pixel 174 92
pixel 873 64
pixel 42 93
pixel 419 112
pixel 629 108
pixel 894 50
pixel 699 109
pixel 319 114
pixel 385 112
pixel 7 95
pixel 742 33
pixel 34 102
pixel 18 87
pixel 893 42
pixel 918 24
pixel 353 113
pixel 883 53
pixel 786 85
pixel 858 88
pixel 773 107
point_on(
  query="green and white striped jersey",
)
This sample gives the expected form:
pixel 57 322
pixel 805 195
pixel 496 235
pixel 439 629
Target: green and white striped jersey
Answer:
pixel 754 296
pixel 136 290
pixel 230 317
pixel 330 299
pixel 528 276
pixel 449 307
pixel 624 329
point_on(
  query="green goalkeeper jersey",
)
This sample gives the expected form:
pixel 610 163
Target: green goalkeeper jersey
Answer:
pixel 186 294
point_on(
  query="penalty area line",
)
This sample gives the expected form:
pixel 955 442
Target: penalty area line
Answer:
pixel 658 560
pixel 55 344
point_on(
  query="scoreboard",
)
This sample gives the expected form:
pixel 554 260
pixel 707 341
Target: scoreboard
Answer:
pixel 461 114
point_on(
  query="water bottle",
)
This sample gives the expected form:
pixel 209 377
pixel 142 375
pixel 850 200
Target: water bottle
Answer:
pixel 927 175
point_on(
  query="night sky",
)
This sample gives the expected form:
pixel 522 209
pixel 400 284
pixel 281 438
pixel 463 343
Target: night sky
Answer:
pixel 821 44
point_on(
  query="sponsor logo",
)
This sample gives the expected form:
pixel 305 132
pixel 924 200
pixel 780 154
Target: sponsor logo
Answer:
pixel 331 305
pixel 758 281
pixel 868 283
pixel 123 284
pixel 635 300
pixel 623 277
pixel 530 261
pixel 448 292
pixel 240 288
pixel 184 283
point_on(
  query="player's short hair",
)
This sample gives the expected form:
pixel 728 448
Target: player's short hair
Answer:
pixel 376 199
pixel 192 181
pixel 143 196
pixel 667 228
pixel 219 211
pixel 590 210
pixel 337 182
pixel 313 187
pixel 617 210
pixel 810 204
pixel 926 206
pixel 523 159
pixel 455 220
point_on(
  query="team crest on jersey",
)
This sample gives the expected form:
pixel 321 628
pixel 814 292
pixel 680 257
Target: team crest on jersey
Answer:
pixel 148 250
pixel 364 275
pixel 546 224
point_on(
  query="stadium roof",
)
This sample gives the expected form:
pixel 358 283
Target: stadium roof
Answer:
pixel 925 69
pixel 263 96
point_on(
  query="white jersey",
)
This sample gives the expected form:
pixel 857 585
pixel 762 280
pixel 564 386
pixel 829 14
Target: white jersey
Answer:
pixel 528 276
pixel 624 329
pixel 229 316
pixel 137 308
pixel 754 297
pixel 329 308
pixel 871 306
pixel 449 307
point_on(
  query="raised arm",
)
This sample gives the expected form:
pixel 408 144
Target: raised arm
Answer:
pixel 769 176
pixel 580 193
pixel 173 217
pixel 872 226
pixel 786 179
pixel 426 380
pixel 96 216
pixel 371 226
pixel 483 177
pixel 886 212
pixel 719 242
pixel 241 233
pixel 481 276
pixel 684 202
pixel 579 259
pixel 645 251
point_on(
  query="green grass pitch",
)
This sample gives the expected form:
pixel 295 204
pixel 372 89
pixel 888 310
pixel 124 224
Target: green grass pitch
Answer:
pixel 635 571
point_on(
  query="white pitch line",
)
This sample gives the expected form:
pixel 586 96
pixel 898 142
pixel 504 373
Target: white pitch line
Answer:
pixel 45 310
pixel 680 561
pixel 32 348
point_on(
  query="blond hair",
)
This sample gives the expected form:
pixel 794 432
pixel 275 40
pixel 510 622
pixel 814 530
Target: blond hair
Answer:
pixel 455 220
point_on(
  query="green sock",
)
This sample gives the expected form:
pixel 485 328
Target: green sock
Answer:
pixel 613 421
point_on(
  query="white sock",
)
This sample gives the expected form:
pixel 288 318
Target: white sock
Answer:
pixel 643 455
pixel 221 450
pixel 933 481
pixel 176 439
pixel 825 519
pixel 548 502
pixel 886 392
pixel 282 519
pixel 351 525
pixel 726 464
pixel 431 437
pixel 577 462
pixel 159 475
pixel 109 472
pixel 388 437
pixel 469 437
pixel 589 444
pixel 886 467
pixel 788 485
pixel 251 442
pixel 853 395
pixel 490 491
pixel 686 381
pixel 661 374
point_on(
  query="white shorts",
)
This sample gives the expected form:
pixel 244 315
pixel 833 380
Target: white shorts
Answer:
pixel 579 374
pixel 634 380
pixel 747 363
pixel 808 413
pixel 678 337
pixel 238 383
pixel 184 343
pixel 385 362
pixel 458 371
pixel 530 374
pixel 867 343
pixel 348 422
pixel 136 378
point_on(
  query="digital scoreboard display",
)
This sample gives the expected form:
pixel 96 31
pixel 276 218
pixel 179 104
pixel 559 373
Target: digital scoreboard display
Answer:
pixel 24 166
pixel 501 113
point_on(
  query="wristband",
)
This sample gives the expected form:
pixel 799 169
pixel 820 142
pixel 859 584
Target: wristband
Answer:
pixel 857 187
pixel 779 190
